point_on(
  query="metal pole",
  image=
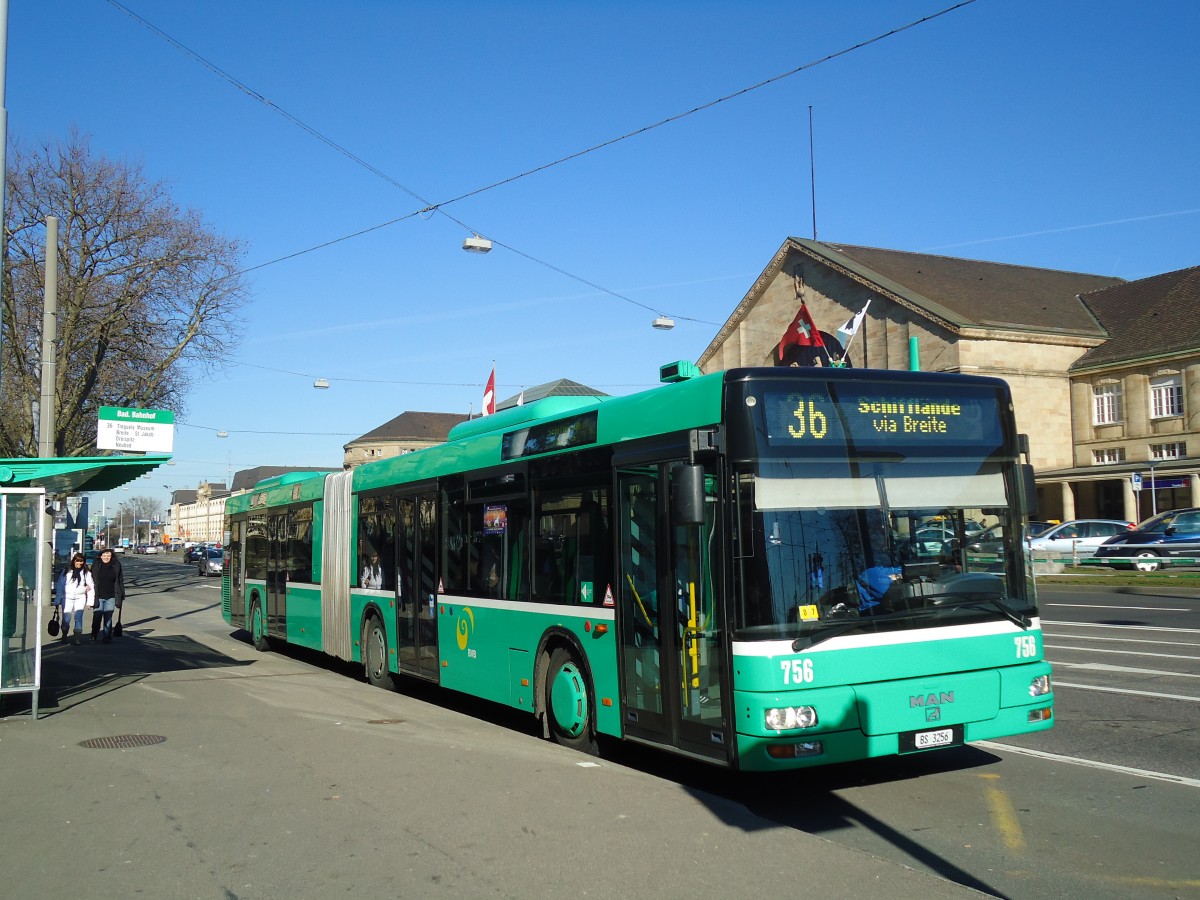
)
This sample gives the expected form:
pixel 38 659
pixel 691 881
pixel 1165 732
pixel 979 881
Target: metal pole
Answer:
pixel 49 339
pixel 1153 495
pixel 3 141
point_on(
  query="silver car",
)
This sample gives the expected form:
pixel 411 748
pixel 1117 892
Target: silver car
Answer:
pixel 1081 536
pixel 211 561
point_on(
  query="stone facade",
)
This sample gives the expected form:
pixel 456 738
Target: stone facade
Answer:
pixel 1055 337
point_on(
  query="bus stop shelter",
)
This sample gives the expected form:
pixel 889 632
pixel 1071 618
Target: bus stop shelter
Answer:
pixel 26 549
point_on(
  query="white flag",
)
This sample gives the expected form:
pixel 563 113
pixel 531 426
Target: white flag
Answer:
pixel 851 327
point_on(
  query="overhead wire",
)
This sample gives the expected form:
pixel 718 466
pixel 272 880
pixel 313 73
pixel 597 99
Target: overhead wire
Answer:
pixel 439 206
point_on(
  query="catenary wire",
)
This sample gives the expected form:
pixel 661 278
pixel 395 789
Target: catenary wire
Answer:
pixel 439 207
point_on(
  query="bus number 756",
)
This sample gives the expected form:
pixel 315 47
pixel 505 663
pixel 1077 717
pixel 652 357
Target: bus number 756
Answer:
pixel 797 671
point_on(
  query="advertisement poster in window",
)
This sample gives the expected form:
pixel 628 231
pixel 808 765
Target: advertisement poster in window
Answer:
pixel 495 519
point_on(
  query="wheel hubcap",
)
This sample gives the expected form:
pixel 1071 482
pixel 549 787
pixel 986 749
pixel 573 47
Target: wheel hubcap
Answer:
pixel 568 700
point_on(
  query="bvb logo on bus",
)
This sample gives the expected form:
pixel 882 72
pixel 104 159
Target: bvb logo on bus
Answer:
pixel 466 624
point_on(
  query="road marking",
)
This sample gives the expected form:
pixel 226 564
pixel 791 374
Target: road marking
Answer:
pixel 1088 763
pixel 1130 670
pixel 1004 817
pixel 1105 606
pixel 1125 627
pixel 1124 640
pixel 1112 690
pixel 1122 652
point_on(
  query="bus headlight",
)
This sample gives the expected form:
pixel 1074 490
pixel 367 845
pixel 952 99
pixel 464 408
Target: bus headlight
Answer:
pixel 1040 686
pixel 783 718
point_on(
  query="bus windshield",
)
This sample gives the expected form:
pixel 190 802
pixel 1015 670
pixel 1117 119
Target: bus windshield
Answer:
pixel 851 547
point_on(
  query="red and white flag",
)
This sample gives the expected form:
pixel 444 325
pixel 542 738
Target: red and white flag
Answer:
pixel 489 394
pixel 802 332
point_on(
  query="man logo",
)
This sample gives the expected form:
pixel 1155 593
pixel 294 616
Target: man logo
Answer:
pixel 931 699
pixel 933 714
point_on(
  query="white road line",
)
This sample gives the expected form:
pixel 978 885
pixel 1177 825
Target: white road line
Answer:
pixel 1090 763
pixel 1105 606
pixel 1112 690
pixel 1122 652
pixel 1126 670
pixel 1123 640
pixel 1124 627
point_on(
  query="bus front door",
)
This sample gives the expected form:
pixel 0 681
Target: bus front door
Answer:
pixel 416 586
pixel 671 648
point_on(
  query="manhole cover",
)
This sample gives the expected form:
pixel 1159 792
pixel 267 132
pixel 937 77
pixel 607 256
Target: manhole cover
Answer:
pixel 385 721
pixel 122 741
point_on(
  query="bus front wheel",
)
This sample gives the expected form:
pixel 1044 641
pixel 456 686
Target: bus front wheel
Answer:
pixel 568 704
pixel 375 653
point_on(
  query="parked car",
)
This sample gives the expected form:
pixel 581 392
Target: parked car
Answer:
pixel 990 540
pixel 211 563
pixel 1033 529
pixel 1155 543
pixel 192 554
pixel 151 548
pixel 1082 536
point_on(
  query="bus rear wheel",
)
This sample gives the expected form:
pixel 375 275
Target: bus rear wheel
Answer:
pixel 258 629
pixel 568 703
pixel 375 653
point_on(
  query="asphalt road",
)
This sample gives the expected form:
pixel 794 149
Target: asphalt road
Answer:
pixel 283 774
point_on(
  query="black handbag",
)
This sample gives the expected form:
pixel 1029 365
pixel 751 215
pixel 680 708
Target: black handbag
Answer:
pixel 117 627
pixel 52 626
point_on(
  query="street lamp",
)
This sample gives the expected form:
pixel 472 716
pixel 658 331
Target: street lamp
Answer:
pixel 477 244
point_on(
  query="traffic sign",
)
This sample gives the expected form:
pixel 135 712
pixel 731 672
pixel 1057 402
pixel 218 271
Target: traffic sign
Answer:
pixel 1136 480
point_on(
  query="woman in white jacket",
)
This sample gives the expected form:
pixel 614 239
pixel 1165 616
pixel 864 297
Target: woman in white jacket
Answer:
pixel 75 592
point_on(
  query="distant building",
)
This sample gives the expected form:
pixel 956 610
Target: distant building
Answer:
pixel 416 430
pixel 1105 374
pixel 407 432
pixel 199 515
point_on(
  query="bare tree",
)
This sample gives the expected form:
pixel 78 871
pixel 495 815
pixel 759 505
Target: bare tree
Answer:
pixel 133 520
pixel 148 295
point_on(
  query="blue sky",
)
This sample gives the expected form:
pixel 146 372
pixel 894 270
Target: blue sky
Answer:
pixel 1061 135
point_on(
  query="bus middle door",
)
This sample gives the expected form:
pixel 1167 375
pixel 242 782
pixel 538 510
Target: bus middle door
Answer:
pixel 277 546
pixel 416 586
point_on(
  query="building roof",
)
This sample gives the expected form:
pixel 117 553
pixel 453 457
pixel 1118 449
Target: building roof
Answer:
pixel 1151 317
pixel 413 426
pixel 563 387
pixel 248 478
pixel 972 292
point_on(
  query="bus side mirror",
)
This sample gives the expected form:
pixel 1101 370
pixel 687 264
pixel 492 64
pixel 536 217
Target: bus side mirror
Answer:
pixel 687 495
pixel 1028 488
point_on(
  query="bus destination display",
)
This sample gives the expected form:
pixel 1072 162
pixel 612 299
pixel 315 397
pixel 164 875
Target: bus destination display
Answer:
pixel 838 415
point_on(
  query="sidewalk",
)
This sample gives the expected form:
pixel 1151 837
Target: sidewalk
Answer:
pixel 179 762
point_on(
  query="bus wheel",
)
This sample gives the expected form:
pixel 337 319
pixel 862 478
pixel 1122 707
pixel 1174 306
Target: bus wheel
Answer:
pixel 258 629
pixel 568 706
pixel 375 653
pixel 1147 561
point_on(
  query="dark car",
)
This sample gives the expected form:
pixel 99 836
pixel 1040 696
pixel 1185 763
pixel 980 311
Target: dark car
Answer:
pixel 193 553
pixel 1168 537
pixel 211 563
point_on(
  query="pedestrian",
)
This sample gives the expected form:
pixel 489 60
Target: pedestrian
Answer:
pixel 75 592
pixel 110 594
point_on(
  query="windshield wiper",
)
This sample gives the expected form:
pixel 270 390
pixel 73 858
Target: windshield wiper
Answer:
pixel 845 625
pixel 975 599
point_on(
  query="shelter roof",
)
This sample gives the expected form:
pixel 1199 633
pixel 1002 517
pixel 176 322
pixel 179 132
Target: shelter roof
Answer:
pixel 76 474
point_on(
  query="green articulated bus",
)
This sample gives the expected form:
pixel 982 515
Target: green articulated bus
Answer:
pixel 764 569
